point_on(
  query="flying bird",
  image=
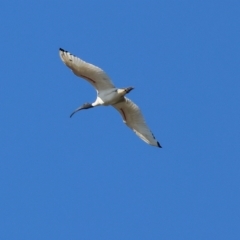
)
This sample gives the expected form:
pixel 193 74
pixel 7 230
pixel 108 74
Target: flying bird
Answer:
pixel 108 94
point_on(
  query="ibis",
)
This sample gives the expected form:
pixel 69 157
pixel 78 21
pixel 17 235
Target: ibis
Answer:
pixel 108 94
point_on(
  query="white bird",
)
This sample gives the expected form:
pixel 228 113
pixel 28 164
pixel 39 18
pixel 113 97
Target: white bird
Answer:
pixel 107 95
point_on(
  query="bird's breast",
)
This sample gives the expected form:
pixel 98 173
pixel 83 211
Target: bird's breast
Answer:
pixel 109 98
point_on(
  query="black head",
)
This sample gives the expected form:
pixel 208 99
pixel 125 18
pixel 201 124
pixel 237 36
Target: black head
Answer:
pixel 84 106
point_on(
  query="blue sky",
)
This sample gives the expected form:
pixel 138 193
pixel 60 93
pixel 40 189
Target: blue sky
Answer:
pixel 90 177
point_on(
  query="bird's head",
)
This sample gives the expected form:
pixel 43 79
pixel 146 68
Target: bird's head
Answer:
pixel 84 106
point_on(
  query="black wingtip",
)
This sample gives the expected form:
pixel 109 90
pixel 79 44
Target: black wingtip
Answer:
pixel 159 145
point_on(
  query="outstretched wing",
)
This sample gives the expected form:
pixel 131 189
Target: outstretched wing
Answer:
pixel 94 75
pixel 133 118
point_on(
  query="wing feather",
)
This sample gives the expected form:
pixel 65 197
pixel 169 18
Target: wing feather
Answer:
pixel 133 118
pixel 93 74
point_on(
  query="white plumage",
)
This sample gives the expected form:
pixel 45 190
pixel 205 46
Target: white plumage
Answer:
pixel 107 94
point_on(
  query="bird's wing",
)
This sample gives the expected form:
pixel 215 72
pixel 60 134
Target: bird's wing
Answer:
pixel 94 75
pixel 133 118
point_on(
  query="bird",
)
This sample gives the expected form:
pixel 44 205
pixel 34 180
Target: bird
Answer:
pixel 108 94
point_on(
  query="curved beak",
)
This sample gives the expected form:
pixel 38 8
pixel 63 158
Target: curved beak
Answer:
pixel 78 109
pixel 84 106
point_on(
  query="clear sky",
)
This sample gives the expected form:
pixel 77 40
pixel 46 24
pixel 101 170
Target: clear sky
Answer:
pixel 90 177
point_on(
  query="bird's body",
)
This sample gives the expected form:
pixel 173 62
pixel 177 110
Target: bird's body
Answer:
pixel 107 95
